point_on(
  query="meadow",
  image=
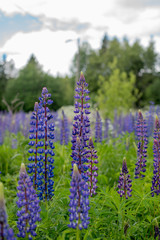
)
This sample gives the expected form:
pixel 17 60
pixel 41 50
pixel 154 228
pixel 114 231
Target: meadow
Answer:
pixel 111 216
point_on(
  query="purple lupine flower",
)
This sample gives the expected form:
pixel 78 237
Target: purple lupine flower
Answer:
pixel 81 125
pixel 34 135
pixel 124 183
pixel 92 169
pixel 156 230
pixel 156 153
pixel 6 233
pixel 141 146
pixel 80 158
pixel 79 202
pixel 98 128
pixel 45 151
pixel 150 119
pixel 28 203
pixel 64 130
pixel 129 123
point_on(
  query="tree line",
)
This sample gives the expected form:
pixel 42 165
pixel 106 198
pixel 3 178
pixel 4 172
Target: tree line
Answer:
pixel 120 75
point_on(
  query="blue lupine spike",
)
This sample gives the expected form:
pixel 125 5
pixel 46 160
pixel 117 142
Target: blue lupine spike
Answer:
pixel 155 189
pixel 79 203
pixel 5 231
pixel 42 170
pixel 141 146
pixel 28 203
pixel 64 130
pixel 124 183
pixel 81 125
pixel 92 169
pixel 46 129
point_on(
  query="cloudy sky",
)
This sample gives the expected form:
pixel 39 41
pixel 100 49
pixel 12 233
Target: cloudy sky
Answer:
pixel 42 27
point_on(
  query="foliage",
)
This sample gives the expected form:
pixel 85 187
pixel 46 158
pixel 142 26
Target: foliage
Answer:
pixel 117 92
pixel 27 86
pixel 109 214
pixel 142 61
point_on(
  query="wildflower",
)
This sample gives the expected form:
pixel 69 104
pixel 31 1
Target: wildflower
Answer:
pixel 141 146
pixel 156 153
pixel 34 135
pixel 5 231
pixel 92 169
pixel 64 130
pixel 124 183
pixel 81 125
pixel 28 203
pixel 42 147
pixel 79 203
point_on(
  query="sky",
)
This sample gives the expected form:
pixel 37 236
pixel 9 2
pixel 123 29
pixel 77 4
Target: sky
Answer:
pixel 42 27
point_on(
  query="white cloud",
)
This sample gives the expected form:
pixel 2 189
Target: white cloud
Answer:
pixel 49 48
pixel 117 18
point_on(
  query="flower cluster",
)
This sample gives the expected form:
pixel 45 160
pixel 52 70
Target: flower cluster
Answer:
pixel 98 128
pixel 42 147
pixel 124 183
pixel 156 153
pixel 64 130
pixel 28 203
pixel 5 231
pixel 92 169
pixel 81 125
pixel 141 147
pixel 79 202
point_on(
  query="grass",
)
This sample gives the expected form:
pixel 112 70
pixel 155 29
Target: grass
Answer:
pixel 110 215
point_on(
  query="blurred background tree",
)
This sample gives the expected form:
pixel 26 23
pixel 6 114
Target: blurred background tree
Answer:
pixel 118 92
pixel 131 59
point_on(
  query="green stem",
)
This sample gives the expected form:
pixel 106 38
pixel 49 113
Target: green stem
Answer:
pixel 78 234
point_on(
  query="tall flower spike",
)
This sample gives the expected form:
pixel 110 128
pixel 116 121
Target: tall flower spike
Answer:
pixel 124 183
pixel 92 169
pixel 81 125
pixel 79 203
pixel 6 233
pixel 98 128
pixel 34 143
pixel 141 147
pixel 28 203
pixel 64 130
pixel 42 148
pixel 155 189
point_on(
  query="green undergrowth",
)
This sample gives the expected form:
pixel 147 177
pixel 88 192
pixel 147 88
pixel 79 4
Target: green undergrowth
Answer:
pixel 111 217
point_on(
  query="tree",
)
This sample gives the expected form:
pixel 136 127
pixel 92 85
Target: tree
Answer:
pixel 117 92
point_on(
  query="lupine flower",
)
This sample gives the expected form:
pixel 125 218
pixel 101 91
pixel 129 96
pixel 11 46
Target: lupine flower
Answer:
pixel 45 184
pixel 6 233
pixel 156 153
pixel 28 203
pixel 141 146
pixel 92 169
pixel 124 183
pixel 79 202
pixel 129 123
pixel 64 130
pixel 43 147
pixel 80 158
pixel 156 231
pixel 34 135
pixel 81 125
pixel 98 128
pixel 150 119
